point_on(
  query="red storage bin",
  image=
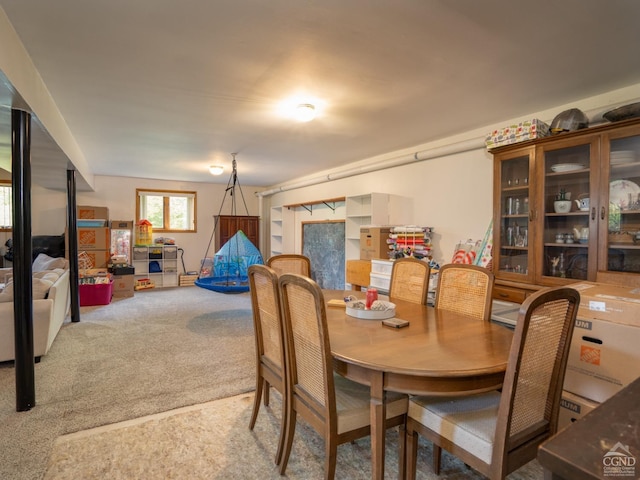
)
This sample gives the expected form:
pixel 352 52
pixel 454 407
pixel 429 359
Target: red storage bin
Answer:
pixel 96 294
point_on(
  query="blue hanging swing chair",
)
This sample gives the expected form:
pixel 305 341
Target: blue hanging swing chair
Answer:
pixel 226 271
pixel 228 268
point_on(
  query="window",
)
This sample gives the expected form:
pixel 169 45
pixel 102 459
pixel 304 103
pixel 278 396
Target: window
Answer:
pixel 167 210
pixel 6 210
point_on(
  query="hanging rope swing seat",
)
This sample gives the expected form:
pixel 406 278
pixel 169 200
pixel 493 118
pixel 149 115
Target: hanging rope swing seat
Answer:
pixel 226 270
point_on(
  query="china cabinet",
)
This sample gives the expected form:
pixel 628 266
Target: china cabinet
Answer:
pixel 567 208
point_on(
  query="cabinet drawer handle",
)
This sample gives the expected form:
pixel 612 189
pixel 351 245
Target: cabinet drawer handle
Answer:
pixel 602 213
pixel 593 213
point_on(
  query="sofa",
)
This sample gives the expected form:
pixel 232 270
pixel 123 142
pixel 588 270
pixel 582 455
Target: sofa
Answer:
pixel 51 302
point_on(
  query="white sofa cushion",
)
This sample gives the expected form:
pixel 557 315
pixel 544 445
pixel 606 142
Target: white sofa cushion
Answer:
pixel 45 262
pixel 40 288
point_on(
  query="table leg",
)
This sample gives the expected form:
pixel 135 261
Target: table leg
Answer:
pixel 378 431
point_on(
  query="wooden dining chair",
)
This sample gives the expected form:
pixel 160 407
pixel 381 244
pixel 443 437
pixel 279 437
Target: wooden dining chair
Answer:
pixel 337 408
pixel 269 335
pixel 290 263
pixel 409 280
pixel 498 432
pixel 465 289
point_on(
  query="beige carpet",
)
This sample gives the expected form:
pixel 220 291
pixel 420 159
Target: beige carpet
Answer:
pixel 213 441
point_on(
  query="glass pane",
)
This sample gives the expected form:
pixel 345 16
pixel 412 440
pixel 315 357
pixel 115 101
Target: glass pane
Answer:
pixel 623 252
pixel 154 210
pixel 179 218
pixel 6 212
pixel 566 215
pixel 514 228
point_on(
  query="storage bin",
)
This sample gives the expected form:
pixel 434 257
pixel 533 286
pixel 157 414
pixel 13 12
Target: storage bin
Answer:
pixel 95 294
pixel 380 281
pixel 383 267
pixel 155 253
pixel 140 253
pixel 171 253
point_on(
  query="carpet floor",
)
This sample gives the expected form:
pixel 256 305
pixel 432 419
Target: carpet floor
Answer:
pixel 159 386
pixel 213 441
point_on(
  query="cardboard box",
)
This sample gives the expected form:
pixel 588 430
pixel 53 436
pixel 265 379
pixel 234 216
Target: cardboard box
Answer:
pixel 94 238
pixel 123 285
pixel 89 212
pixel 517 132
pixel 573 407
pixel 373 242
pixel 604 357
pixel 613 303
pixel 98 258
pixel 121 224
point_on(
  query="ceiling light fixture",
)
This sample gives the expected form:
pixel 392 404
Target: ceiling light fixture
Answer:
pixel 216 169
pixel 305 112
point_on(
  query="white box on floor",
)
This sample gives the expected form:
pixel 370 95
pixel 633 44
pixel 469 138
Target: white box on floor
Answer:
pixel 604 357
pixel 573 407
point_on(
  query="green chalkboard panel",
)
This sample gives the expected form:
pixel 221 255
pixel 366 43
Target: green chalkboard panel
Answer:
pixel 323 243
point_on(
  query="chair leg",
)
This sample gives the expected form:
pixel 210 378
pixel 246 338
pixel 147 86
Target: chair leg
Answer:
pixel 437 455
pixel 256 403
pixel 330 458
pixel 267 387
pixel 283 426
pixel 402 452
pixel 411 440
pixel 289 431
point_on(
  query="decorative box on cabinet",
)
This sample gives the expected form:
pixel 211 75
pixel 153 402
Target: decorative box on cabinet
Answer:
pixel 159 263
pixel 598 171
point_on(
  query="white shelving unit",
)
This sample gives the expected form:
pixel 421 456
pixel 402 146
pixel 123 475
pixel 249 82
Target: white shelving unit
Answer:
pixel 281 231
pixel 373 209
pixel 147 260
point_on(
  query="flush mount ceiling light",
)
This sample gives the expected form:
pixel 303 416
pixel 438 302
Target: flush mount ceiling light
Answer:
pixel 305 112
pixel 216 169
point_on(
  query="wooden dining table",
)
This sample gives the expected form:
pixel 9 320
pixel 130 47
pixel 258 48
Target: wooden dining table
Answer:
pixel 439 353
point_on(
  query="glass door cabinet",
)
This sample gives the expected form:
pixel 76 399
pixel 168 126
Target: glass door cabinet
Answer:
pixel 620 199
pixel 567 208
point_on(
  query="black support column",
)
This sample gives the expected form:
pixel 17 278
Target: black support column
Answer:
pixel 22 257
pixel 72 241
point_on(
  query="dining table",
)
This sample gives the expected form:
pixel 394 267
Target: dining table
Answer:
pixel 439 353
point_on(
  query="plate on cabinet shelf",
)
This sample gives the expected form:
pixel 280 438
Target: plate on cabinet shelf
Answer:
pixel 619 191
pixel 566 167
pixel 622 156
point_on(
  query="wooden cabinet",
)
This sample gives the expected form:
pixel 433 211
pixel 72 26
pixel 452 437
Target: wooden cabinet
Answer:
pixel 567 207
pixel 228 225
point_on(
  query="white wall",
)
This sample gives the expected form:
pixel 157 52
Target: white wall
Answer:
pixel 119 195
pixel 453 194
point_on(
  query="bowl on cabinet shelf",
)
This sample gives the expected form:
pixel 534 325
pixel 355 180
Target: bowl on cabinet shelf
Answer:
pixel 562 206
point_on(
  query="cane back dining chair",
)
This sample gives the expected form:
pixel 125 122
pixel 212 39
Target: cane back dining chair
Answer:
pixel 465 289
pixel 409 280
pixel 290 263
pixel 269 335
pixel 498 432
pixel 337 408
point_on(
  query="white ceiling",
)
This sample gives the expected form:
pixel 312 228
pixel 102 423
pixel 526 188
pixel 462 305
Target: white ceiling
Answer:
pixel 164 88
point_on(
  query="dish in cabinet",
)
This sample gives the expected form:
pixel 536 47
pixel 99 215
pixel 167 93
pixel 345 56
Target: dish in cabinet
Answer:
pixel 566 167
pixel 624 194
